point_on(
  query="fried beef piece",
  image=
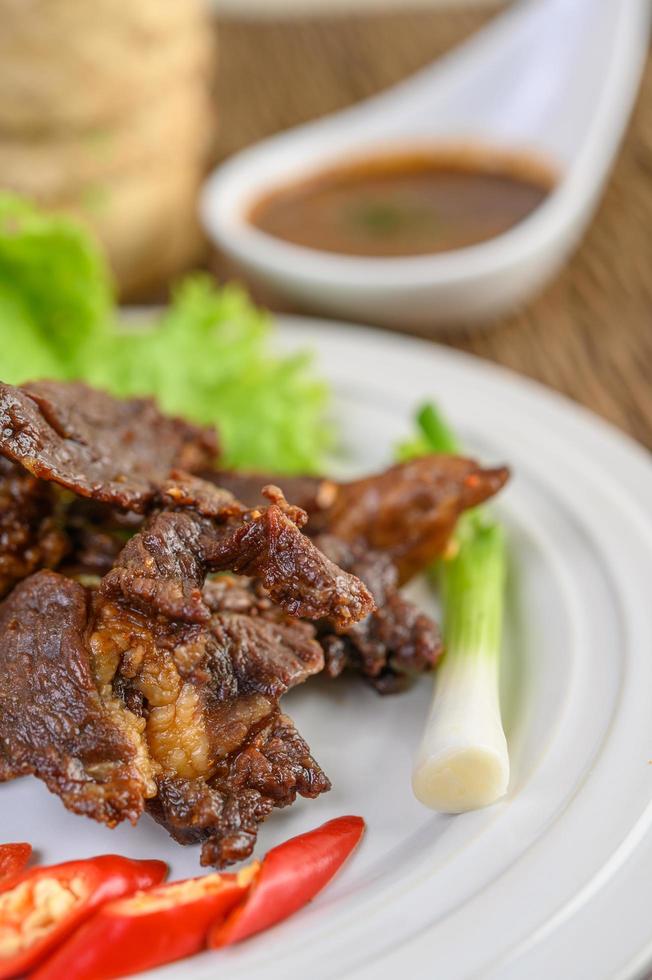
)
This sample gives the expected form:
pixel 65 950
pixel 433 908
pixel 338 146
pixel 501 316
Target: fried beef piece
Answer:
pixel 164 567
pixel 227 755
pixel 388 647
pixel 118 452
pixel 310 493
pixel 97 534
pixel 383 529
pixel 30 537
pixel 268 772
pixel 58 719
pixel 209 696
pixel 408 512
pixel 266 646
pixel 144 693
pixel 114 451
pixel 393 643
pixel 206 676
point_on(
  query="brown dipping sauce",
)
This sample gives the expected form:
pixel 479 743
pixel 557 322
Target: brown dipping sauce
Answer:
pixel 406 204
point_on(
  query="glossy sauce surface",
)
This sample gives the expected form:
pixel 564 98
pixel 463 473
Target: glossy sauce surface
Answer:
pixel 408 204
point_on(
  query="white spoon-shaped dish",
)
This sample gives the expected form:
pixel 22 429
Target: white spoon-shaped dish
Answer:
pixel 551 78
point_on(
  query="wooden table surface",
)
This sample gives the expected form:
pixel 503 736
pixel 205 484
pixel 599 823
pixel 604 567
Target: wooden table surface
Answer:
pixel 589 334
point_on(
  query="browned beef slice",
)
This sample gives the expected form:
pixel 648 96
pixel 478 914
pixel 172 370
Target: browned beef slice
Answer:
pixel 394 642
pixel 115 451
pixel 269 651
pixel 209 692
pixel 54 720
pixel 111 705
pixel 409 511
pixel 390 645
pixel 164 566
pixel 257 760
pixel 383 529
pixel 270 769
pixel 29 534
pixel 97 534
pixel 311 493
pixel 206 676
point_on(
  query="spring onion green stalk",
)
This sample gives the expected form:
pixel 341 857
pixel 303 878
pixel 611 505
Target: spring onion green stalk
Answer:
pixel 463 762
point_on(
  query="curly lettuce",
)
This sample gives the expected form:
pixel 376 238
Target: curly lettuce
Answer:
pixel 208 356
pixel 55 292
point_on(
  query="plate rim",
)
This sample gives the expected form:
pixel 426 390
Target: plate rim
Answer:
pixel 634 467
pixel 306 332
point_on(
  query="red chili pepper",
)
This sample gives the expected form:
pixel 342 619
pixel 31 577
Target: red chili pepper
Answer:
pixel 148 929
pixel 290 876
pixel 13 858
pixel 45 905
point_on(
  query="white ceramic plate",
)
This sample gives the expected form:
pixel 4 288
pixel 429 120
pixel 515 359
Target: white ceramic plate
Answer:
pixel 556 881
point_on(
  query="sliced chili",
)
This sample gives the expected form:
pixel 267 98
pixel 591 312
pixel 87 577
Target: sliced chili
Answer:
pixel 13 858
pixel 158 925
pixel 290 876
pixel 45 905
pixel 148 929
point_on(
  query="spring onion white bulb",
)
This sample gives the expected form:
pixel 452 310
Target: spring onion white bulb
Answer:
pixel 463 761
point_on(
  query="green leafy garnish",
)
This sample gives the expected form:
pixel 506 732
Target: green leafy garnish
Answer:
pixel 55 293
pixel 208 356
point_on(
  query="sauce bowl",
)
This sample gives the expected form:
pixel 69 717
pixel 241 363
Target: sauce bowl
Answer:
pixel 550 79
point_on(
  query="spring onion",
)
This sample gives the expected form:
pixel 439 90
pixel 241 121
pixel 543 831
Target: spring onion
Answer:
pixel 463 762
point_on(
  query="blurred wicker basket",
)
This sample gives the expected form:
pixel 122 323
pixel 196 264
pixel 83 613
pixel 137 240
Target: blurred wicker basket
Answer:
pixel 146 219
pixel 104 111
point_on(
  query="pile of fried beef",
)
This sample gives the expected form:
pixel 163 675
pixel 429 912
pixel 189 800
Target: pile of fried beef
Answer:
pixel 154 608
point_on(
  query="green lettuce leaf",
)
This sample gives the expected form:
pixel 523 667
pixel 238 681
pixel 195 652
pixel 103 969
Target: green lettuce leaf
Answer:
pixel 53 272
pixel 209 356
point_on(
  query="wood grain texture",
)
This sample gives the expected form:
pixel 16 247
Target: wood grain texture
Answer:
pixel 589 334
